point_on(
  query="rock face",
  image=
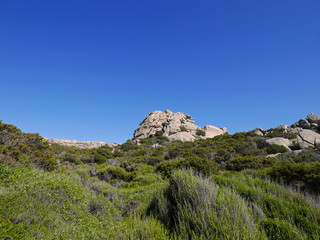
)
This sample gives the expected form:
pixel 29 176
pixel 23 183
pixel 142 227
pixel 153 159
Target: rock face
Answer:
pixel 308 139
pixel 280 141
pixel 74 143
pixel 175 126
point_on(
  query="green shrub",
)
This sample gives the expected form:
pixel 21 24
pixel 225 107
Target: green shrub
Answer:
pixel 274 148
pixel 249 162
pixel 200 132
pixel 193 207
pixel 110 173
pixel 183 129
pixel 291 172
pixel 201 165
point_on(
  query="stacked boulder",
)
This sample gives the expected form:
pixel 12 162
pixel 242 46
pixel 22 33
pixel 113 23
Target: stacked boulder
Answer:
pixel 312 122
pixel 306 129
pixel 174 126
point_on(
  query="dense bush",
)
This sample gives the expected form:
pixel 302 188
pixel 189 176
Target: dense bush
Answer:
pixel 274 148
pixel 200 132
pixel 308 173
pixel 202 165
pixel 249 162
pixel 25 148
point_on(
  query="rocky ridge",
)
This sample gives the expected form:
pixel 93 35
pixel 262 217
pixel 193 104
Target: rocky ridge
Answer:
pixel 174 126
pixel 306 130
pixel 75 143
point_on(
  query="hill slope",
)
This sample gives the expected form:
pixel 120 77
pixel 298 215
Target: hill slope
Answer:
pixel 240 186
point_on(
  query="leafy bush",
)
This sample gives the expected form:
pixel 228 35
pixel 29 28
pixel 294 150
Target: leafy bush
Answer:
pixel 291 172
pixel 274 148
pixel 183 129
pixel 202 165
pixel 110 173
pixel 200 132
pixel 249 162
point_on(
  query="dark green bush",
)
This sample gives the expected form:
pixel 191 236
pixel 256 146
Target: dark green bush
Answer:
pixel 291 172
pixel 200 132
pixel 249 162
pixel 201 165
pixel 98 158
pixel 274 148
pixel 183 129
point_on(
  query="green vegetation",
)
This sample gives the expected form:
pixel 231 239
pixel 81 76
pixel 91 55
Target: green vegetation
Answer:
pixel 221 188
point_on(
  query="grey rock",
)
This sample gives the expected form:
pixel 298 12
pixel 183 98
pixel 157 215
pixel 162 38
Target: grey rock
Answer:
pixel 259 131
pixel 304 123
pixel 280 141
pixel 283 126
pixel 313 118
pixel 182 136
pixel 308 139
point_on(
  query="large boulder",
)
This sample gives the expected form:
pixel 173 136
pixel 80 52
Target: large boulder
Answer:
pixel 259 131
pixel 175 126
pixel 212 131
pixel 280 141
pixel 313 118
pixel 308 139
pixel 182 136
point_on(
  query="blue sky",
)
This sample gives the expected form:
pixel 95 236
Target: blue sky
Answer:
pixel 92 70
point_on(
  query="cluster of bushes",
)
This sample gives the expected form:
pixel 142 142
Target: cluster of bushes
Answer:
pixel 17 147
pixel 304 174
pixel 157 189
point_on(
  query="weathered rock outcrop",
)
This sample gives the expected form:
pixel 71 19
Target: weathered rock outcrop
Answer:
pixel 74 143
pixel 308 139
pixel 280 141
pixel 175 126
pixel 312 122
pixel 307 131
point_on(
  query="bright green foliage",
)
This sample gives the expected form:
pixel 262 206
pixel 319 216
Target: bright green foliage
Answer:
pixel 282 213
pixel 196 208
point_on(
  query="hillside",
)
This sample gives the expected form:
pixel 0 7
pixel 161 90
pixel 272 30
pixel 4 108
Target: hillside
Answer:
pixel 261 184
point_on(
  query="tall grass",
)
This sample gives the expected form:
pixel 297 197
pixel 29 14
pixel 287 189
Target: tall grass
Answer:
pixel 194 207
pixel 282 213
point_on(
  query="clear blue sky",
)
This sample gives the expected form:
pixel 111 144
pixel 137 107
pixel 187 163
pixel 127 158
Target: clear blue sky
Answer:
pixel 92 70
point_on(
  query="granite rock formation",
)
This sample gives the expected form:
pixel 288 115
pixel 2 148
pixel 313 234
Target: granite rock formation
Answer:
pixel 175 126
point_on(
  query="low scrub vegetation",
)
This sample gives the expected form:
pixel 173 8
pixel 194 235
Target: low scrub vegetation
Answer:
pixel 227 187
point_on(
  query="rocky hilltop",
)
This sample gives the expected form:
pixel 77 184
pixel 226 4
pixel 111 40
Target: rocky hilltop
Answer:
pixel 75 143
pixel 175 126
